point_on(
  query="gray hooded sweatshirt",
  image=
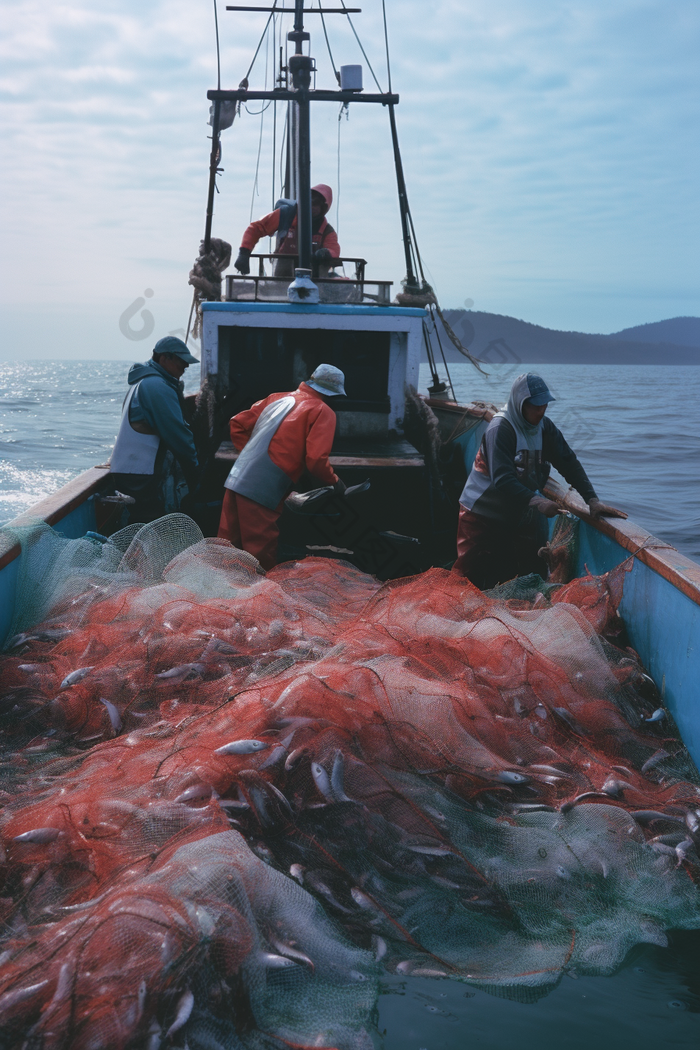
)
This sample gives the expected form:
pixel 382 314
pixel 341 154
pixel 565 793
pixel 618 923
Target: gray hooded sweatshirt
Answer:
pixel 158 403
pixel 514 460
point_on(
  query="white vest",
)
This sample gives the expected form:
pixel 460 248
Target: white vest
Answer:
pixel 254 475
pixel 133 453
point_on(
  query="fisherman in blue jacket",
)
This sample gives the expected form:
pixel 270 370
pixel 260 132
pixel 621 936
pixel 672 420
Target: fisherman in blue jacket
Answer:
pixel 153 436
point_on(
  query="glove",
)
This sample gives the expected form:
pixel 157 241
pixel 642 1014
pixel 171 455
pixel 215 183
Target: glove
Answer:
pixel 604 510
pixel 547 507
pixel 340 486
pixel 242 263
pixel 322 256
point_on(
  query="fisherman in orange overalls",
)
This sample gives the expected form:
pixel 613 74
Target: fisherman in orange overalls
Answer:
pixel 283 222
pixel 278 438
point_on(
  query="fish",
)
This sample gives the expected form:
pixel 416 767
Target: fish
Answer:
pixel 297 872
pixel 113 713
pixel 322 781
pixel 18 995
pixel 681 850
pixel 430 851
pixel 51 634
pixel 508 776
pixel 236 804
pixel 182 1013
pixel 646 816
pixel 566 806
pixel 379 945
pixel 289 952
pixel 155 1036
pixel 614 787
pixel 38 836
pixel 657 716
pixel 293 758
pixel 184 671
pixel 195 793
pixel 75 676
pixel 275 962
pixel 657 757
pixel 242 747
pixel 337 778
pixel 362 900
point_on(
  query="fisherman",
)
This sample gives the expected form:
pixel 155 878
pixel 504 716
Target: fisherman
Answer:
pixel 153 434
pixel 283 222
pixel 503 512
pixel 277 438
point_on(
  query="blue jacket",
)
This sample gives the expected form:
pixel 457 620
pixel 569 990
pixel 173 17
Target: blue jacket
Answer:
pixel 158 402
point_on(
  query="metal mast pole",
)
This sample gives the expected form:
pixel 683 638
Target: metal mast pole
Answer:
pixel 213 168
pixel 300 67
pixel 411 280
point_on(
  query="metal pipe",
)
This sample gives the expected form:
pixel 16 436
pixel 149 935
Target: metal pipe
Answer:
pixel 213 169
pixel 403 202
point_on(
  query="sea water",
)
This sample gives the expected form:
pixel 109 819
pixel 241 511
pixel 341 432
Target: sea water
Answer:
pixel 637 432
pixel 635 429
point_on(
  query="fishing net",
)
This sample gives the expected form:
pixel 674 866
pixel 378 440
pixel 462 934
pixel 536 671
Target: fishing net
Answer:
pixel 232 799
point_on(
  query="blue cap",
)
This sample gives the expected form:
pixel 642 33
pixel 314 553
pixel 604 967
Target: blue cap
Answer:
pixel 539 391
pixel 170 344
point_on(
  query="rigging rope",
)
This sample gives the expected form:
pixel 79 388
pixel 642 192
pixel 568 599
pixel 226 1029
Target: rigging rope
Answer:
pixel 364 53
pixel 328 43
pixel 386 45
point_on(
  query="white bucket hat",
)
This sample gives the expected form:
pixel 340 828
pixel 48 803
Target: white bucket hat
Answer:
pixel 328 380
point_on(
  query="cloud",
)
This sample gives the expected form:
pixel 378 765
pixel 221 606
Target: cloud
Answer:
pixel 548 151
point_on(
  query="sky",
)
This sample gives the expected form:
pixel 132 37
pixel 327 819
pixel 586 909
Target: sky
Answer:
pixel 551 152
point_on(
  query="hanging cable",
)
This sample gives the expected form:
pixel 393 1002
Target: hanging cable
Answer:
pixel 328 43
pixel 364 53
pixel 273 12
pixel 260 137
pixel 218 49
pixel 386 45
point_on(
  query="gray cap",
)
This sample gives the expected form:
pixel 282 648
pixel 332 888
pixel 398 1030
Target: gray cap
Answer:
pixel 170 344
pixel 327 380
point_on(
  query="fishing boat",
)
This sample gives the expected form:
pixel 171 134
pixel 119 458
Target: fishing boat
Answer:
pixel 261 335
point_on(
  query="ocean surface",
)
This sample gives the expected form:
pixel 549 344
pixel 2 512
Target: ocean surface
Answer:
pixel 637 431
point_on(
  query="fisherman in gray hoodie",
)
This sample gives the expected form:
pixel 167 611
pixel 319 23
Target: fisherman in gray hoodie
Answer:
pixel 503 513
pixel 153 435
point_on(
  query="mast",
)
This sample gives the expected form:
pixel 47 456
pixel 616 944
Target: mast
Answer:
pixel 300 67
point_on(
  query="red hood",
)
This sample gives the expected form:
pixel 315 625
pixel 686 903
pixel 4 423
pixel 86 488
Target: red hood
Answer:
pixel 326 192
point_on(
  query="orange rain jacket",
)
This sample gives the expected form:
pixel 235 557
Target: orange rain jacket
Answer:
pixel 304 438
pixel 323 237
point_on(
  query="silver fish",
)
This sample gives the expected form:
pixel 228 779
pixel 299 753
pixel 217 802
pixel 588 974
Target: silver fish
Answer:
pixel 10 999
pixel 113 713
pixel 362 900
pixel 182 1014
pixel 681 850
pixel 379 945
pixel 52 634
pixel 242 747
pixel 235 804
pixel 431 851
pixel 75 676
pixel 195 793
pixel 293 758
pixel 322 781
pixel 297 872
pixel 182 672
pixel 658 715
pixel 38 836
pixel 337 773
pixel 657 757
pixel 155 1036
pixel 508 776
pixel 275 962
pixel 288 952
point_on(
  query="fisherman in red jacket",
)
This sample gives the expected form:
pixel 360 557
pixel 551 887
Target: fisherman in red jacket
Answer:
pixel 283 222
pixel 278 438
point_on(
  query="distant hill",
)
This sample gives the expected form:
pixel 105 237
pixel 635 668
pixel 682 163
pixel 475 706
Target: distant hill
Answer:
pixel 498 338
pixel 682 331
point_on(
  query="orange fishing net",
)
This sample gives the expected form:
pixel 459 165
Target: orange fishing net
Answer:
pixel 231 799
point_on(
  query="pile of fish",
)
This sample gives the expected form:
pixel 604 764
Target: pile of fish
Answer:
pixel 231 800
